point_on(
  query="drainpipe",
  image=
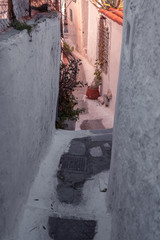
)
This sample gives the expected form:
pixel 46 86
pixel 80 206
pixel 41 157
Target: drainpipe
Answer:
pixel 11 14
pixel 30 8
pixel 60 8
pixel 57 5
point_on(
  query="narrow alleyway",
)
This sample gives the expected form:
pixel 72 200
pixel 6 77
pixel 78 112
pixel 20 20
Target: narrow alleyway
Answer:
pixel 67 200
pixel 86 182
pixel 96 115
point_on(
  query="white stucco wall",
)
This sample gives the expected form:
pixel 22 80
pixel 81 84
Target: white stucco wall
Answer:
pixel 134 185
pixel 110 80
pixel 29 77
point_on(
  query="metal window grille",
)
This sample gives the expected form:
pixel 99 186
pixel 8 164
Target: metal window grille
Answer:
pixel 3 9
pixel 71 15
pixel 104 43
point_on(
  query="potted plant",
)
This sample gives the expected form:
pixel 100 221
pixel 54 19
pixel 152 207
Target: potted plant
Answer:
pixel 93 89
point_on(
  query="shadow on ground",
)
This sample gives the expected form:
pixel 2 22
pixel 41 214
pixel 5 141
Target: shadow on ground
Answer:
pixel 85 158
pixel 92 124
pixel 71 229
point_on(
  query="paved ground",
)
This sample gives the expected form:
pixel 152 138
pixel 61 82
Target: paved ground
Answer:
pixel 86 157
pixel 67 200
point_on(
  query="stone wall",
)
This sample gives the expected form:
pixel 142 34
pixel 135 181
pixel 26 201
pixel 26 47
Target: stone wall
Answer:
pixel 20 8
pixel 134 185
pixel 29 77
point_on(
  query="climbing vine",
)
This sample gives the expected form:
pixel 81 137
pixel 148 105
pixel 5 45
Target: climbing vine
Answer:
pixel 21 25
pixel 103 46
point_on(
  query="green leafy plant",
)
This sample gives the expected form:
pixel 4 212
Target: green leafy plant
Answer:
pixel 67 100
pixel 97 81
pixel 20 25
pixel 67 47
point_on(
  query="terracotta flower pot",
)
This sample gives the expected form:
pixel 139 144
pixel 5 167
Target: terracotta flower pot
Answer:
pixel 92 93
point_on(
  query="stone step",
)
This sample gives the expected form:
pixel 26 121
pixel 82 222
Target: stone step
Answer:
pixel 71 229
pixel 102 131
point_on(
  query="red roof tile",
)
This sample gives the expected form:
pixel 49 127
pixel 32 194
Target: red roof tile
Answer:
pixel 114 14
pixel 117 12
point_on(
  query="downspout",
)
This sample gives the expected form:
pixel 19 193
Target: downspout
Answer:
pixel 11 14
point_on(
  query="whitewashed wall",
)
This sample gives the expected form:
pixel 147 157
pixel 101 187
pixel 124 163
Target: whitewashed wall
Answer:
pixel 29 79
pixel 110 80
pixel 134 186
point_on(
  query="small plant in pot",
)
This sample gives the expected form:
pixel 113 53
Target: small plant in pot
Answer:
pixel 93 89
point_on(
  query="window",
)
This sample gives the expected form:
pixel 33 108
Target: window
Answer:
pixel 71 17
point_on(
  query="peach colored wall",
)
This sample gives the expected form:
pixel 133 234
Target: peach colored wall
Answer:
pixel 84 14
pixel 72 25
pixel 93 21
pixel 78 27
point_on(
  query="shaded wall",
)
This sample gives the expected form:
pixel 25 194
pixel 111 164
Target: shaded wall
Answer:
pixel 29 67
pixel 134 186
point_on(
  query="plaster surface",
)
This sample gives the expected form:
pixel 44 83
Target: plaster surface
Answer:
pixel 29 77
pixel 134 185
